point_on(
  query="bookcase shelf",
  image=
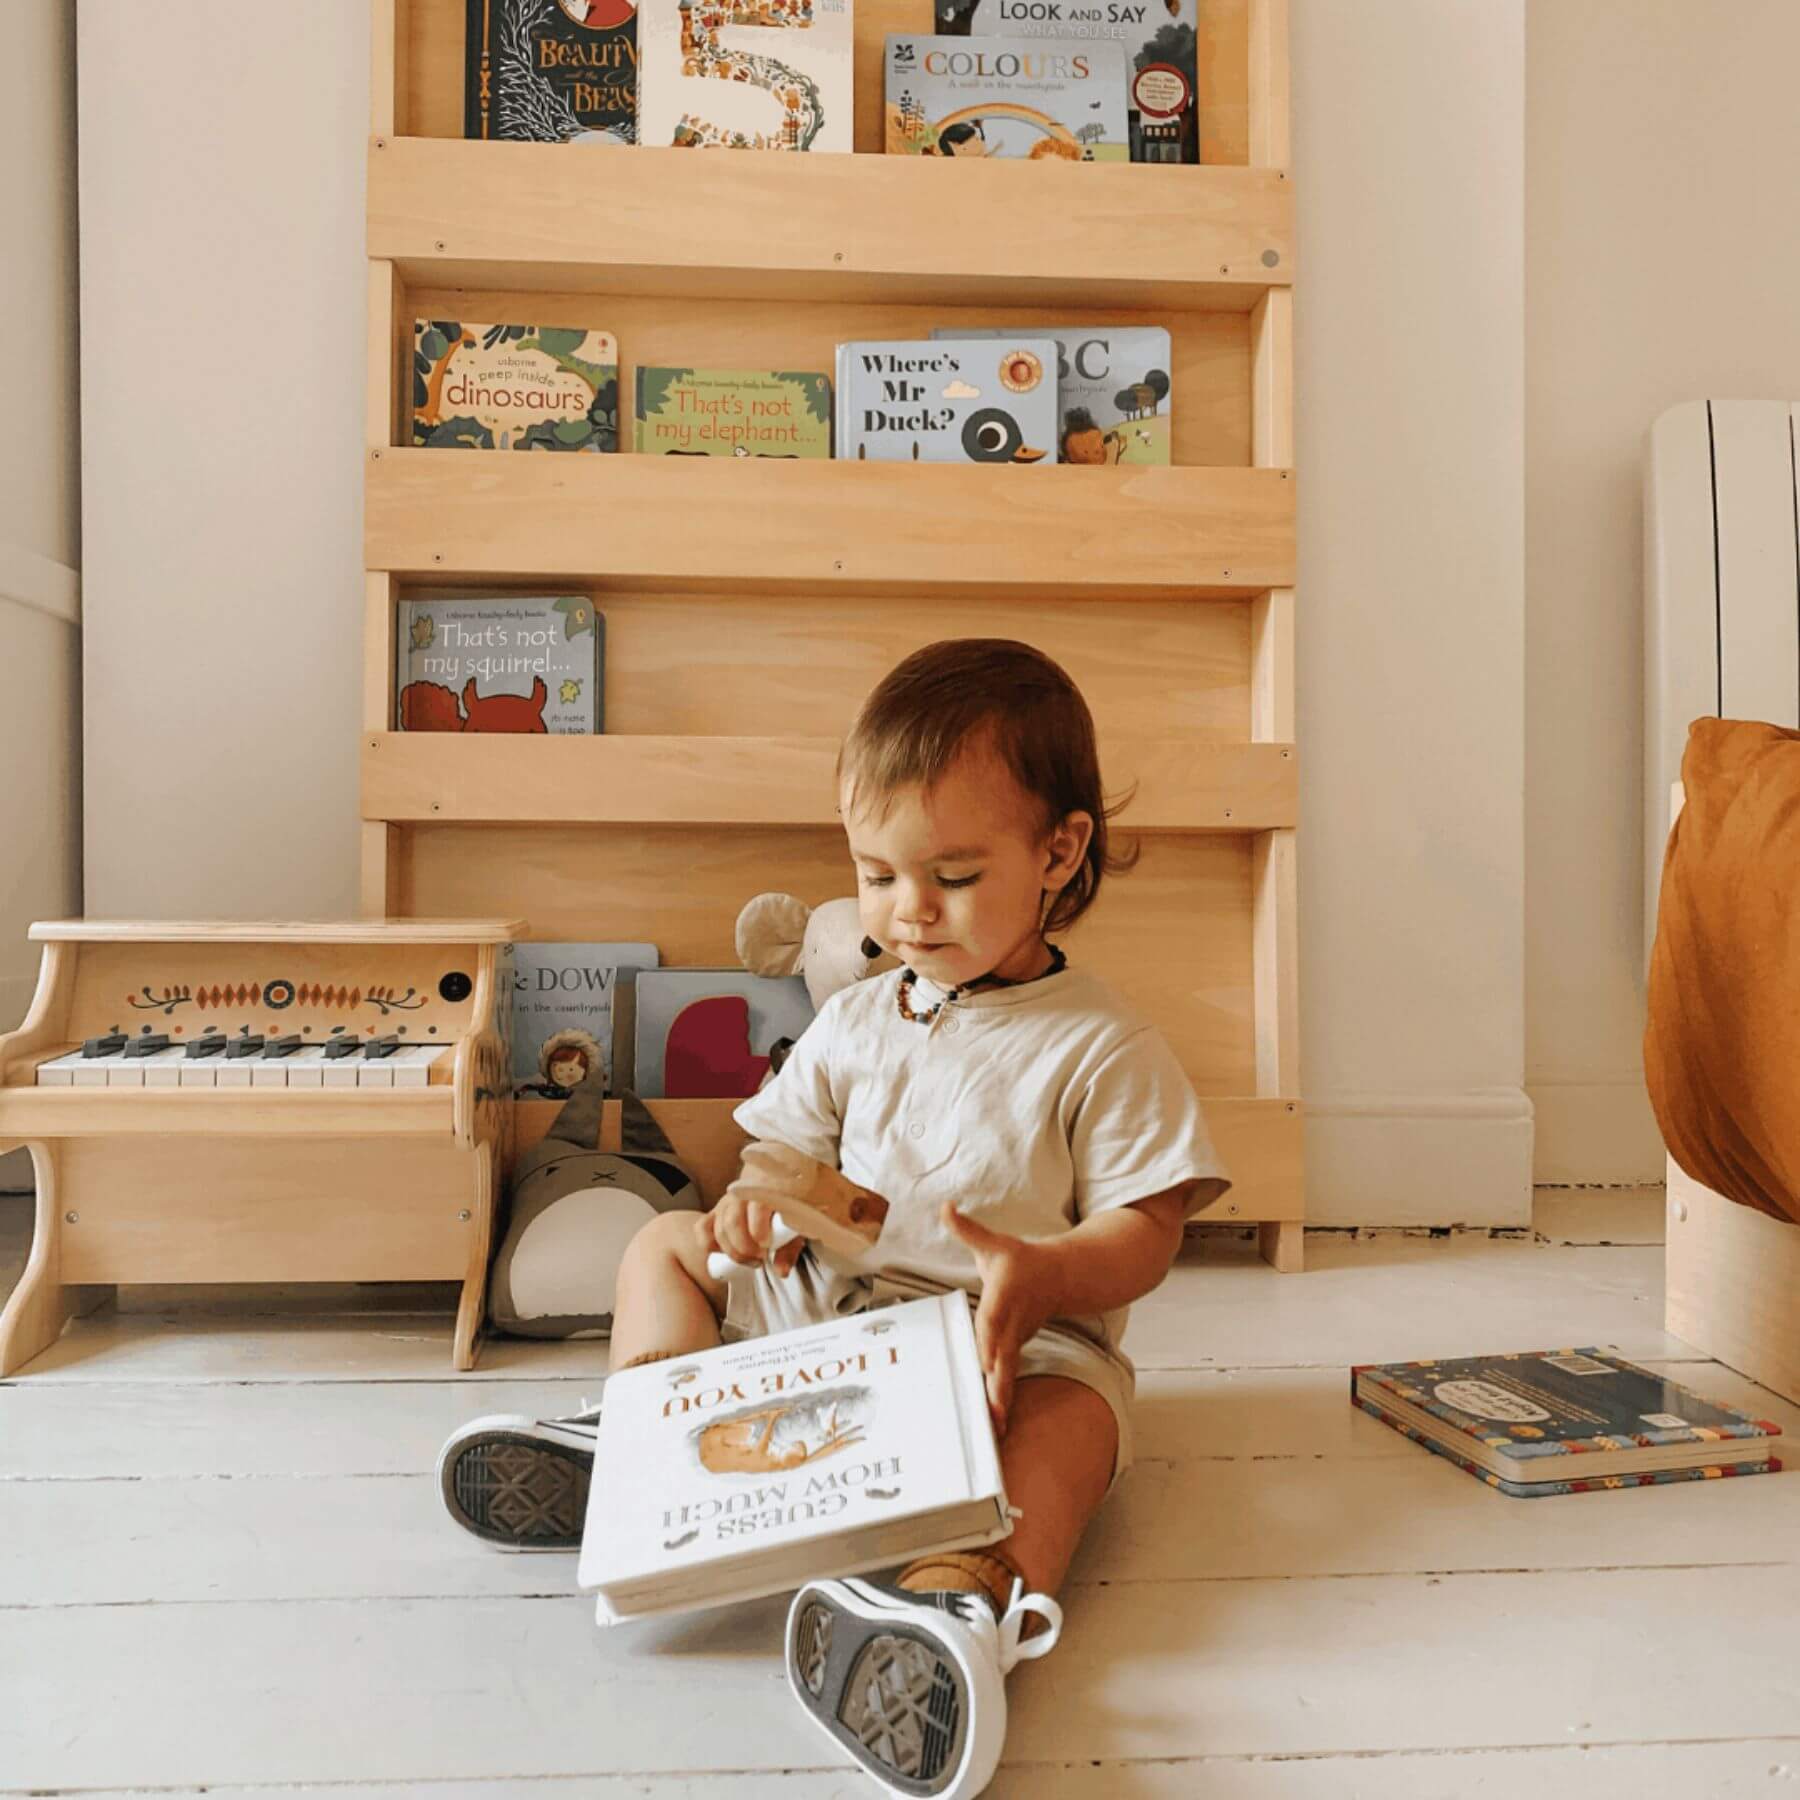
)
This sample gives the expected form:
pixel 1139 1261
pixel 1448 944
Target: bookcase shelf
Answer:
pixel 828 526
pixel 480 778
pixel 581 219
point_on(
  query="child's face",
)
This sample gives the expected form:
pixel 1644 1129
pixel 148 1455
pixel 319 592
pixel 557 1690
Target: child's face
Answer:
pixel 956 916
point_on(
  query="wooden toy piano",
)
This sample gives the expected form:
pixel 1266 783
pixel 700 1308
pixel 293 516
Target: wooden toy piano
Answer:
pixel 259 1102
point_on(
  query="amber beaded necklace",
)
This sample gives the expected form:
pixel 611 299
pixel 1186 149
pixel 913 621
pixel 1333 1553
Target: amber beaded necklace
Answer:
pixel 1058 962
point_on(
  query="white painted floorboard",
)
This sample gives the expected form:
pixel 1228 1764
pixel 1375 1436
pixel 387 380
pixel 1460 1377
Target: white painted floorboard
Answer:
pixel 222 1567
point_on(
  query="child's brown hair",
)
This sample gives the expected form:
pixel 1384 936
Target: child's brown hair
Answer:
pixel 967 694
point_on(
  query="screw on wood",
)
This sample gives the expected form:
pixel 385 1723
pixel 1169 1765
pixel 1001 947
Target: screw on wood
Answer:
pixel 1224 268
pixel 464 1215
pixel 374 456
pixel 437 556
pixel 438 243
pixel 381 143
pixel 71 1218
pixel 1228 812
pixel 837 568
pixel 1285 755
pixel 837 256
pixel 437 806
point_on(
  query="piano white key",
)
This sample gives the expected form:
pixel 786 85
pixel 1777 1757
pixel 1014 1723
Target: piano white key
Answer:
pixel 235 1073
pixel 411 1063
pixel 164 1068
pixel 123 1071
pixel 374 1072
pixel 305 1068
pixel 340 1071
pixel 59 1071
pixel 91 1071
pixel 270 1071
pixel 200 1071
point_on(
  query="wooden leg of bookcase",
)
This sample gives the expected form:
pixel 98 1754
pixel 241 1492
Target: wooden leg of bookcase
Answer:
pixel 1283 1245
pixel 472 1307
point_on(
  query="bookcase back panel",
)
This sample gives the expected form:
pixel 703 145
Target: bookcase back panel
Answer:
pixel 430 103
pixel 1173 935
pixel 1209 352
pixel 709 665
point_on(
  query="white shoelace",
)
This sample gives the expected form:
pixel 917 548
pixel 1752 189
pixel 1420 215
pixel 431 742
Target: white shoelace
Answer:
pixel 1014 1649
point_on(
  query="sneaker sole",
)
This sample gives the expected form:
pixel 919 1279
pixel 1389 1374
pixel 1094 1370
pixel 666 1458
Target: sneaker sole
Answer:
pixel 891 1695
pixel 517 1491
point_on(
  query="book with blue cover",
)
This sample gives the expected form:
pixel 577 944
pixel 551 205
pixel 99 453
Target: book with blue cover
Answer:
pixel 572 1007
pixel 1563 1421
pixel 950 400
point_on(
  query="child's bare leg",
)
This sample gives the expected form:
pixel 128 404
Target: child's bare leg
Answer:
pixel 1057 1457
pixel 666 1304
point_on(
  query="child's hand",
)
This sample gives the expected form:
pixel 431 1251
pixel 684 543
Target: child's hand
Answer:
pixel 1018 1298
pixel 740 1227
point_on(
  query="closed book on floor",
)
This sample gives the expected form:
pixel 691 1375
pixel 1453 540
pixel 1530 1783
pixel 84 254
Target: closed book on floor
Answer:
pixel 744 1470
pixel 1563 1421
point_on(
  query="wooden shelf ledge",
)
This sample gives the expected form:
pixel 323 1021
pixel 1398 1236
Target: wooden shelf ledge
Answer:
pixel 827 526
pixel 1259 1140
pixel 545 218
pixel 623 779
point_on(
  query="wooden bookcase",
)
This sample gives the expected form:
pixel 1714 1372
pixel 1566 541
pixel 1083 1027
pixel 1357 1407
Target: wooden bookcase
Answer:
pixel 750 605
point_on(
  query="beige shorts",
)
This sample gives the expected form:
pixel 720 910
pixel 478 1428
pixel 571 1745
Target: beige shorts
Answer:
pixel 758 1303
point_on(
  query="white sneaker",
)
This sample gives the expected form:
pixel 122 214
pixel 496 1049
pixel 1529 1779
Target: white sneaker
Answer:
pixel 518 1482
pixel 912 1685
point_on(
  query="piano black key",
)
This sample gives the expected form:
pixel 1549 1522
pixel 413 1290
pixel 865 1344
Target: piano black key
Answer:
pixel 148 1044
pixel 341 1046
pixel 109 1045
pixel 250 1045
pixel 381 1046
pixel 282 1046
pixel 208 1045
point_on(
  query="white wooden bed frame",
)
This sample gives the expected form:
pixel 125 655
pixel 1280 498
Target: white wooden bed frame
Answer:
pixel 1721 638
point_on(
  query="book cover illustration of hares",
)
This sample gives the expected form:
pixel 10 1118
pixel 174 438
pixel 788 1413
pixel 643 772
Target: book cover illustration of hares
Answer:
pixel 732 412
pixel 746 74
pixel 1112 385
pixel 501 664
pixel 1040 99
pixel 952 400
pixel 514 387
pixel 566 1000
pixel 551 71
pixel 1160 41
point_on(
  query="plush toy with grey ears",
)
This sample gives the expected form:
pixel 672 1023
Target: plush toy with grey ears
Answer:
pixel 779 934
pixel 574 1209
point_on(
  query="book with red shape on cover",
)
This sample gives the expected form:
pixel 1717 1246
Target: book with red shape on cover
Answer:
pixel 1563 1421
pixel 833 1448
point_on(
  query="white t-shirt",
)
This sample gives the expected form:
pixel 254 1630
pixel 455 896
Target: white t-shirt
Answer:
pixel 1033 1107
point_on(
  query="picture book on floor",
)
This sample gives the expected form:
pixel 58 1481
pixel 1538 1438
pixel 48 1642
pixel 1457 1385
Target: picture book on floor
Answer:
pixel 514 387
pixel 551 71
pixel 705 1034
pixel 1041 99
pixel 732 412
pixel 1112 385
pixel 502 663
pixel 950 400
pixel 745 74
pixel 1160 43
pixel 1563 1421
pixel 568 1001
pixel 745 1469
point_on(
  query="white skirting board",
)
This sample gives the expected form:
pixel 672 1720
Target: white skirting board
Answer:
pixel 1419 1159
pixel 1595 1132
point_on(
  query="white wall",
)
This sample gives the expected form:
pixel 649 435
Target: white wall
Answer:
pixel 222 299
pixel 40 534
pixel 223 533
pixel 1663 264
pixel 1408 138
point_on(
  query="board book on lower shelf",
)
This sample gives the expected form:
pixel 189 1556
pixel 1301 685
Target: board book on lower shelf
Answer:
pixel 1563 1421
pixel 745 1469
